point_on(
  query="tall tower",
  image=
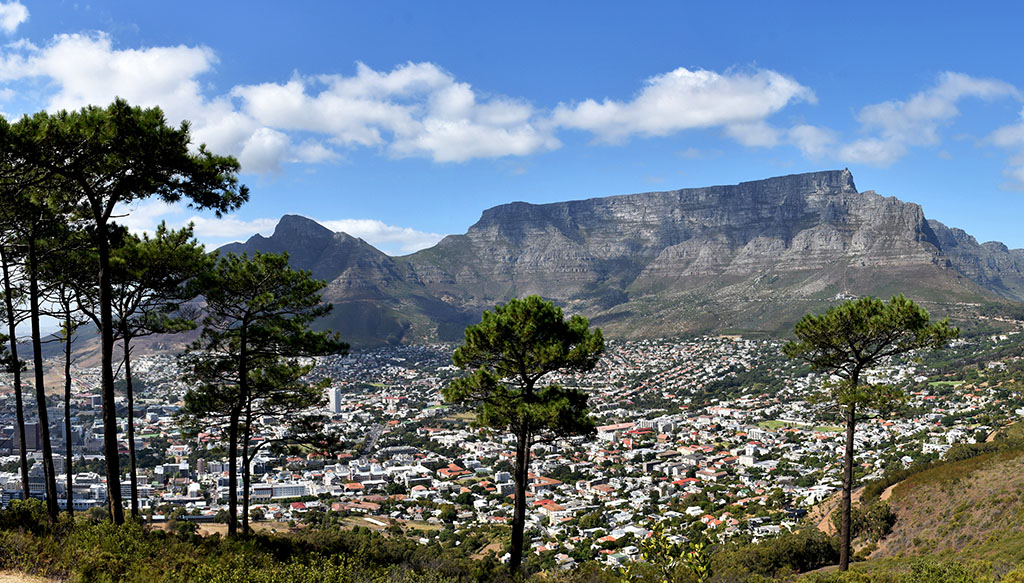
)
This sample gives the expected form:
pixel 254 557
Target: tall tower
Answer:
pixel 334 400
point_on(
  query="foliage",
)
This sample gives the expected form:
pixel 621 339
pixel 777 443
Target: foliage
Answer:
pixel 927 570
pixel 845 342
pixel 872 520
pixel 509 352
pixel 255 349
pixel 95 160
pixel 670 559
pixel 788 553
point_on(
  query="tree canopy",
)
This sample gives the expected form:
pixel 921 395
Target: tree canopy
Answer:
pixel 849 339
pixel 254 350
pixel 96 159
pixel 509 352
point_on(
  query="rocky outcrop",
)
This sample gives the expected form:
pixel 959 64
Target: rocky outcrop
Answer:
pixel 751 256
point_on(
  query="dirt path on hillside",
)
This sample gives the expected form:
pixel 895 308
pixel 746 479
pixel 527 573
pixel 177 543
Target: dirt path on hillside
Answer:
pixel 887 493
pixel 16 577
pixel 482 553
pixel 830 505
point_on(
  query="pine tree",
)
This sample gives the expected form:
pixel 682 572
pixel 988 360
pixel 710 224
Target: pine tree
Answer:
pixel 100 158
pixel 509 352
pixel 254 349
pixel 850 339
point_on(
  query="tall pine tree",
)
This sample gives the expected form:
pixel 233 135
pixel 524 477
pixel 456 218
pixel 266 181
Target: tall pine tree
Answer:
pixel 253 352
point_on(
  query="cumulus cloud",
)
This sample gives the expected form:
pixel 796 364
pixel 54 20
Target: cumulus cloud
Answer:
pixel 144 216
pixel 414 109
pixel 88 70
pixel 313 152
pixel 214 231
pixel 683 99
pixel 898 125
pixel 1012 137
pixel 815 142
pixel 12 14
pixel 85 69
pixel 873 152
pixel 756 134
pixel 388 238
pixel 417 109
pixel 264 149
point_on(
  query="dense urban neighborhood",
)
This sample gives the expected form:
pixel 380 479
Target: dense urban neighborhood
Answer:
pixel 716 437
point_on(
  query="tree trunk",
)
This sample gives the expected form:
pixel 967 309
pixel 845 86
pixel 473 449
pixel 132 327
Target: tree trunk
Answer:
pixel 50 477
pixel 105 297
pixel 131 425
pixel 522 476
pixel 844 530
pixel 16 371
pixel 243 388
pixel 247 435
pixel 233 474
pixel 67 409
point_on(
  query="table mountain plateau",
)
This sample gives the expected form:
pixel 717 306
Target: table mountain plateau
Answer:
pixel 752 257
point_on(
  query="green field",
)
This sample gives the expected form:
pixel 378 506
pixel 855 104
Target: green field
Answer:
pixel 776 424
pixel 945 383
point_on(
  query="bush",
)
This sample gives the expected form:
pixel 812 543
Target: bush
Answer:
pixel 26 515
pixel 788 553
pixel 868 521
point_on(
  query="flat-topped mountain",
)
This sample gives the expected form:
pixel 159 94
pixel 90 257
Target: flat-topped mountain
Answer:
pixel 749 257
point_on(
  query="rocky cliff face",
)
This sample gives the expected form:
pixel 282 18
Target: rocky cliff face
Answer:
pixel 752 256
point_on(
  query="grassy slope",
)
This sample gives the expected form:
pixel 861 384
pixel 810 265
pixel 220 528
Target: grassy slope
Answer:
pixel 973 508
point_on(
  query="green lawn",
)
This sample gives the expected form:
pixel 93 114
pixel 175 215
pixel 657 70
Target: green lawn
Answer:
pixel 776 424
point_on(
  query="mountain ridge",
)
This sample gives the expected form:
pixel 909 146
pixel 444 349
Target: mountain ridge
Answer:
pixel 750 257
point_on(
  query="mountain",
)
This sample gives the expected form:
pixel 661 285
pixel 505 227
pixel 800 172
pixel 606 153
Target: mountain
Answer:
pixel 751 257
pixel 375 297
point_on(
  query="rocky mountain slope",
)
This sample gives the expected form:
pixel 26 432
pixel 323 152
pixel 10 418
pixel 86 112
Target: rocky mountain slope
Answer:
pixel 749 257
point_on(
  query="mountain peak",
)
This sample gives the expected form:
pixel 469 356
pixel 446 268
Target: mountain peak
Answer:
pixel 750 256
pixel 292 226
pixel 824 181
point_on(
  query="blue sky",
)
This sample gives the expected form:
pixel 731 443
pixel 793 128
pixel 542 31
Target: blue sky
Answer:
pixel 400 122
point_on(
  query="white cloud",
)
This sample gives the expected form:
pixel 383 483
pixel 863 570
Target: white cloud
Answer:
pixel 683 99
pixel 87 70
pixel 873 152
pixel 229 228
pixel 144 216
pixel 388 238
pixel 814 141
pixel 1012 137
pixel 12 14
pixel 897 125
pixel 264 150
pixel 417 109
pixel 757 134
pixel 312 152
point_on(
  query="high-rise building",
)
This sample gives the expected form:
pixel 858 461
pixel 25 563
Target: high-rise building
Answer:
pixel 334 400
pixel 33 438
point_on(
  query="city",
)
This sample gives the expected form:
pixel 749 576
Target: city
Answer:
pixel 715 437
